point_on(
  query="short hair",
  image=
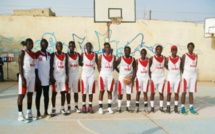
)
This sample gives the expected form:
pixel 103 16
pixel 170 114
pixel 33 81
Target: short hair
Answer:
pixel 24 43
pixel 144 50
pixel 106 43
pixel 127 47
pixel 89 44
pixel 59 43
pixel 72 42
pixel 191 43
pixel 44 40
pixel 158 46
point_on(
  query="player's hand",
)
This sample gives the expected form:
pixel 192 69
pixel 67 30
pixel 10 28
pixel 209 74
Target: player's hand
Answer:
pixel 38 82
pixel 67 79
pixel 53 81
pixel 132 79
pixel 24 83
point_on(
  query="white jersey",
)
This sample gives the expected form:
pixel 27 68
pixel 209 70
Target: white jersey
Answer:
pixel 174 68
pixel 126 66
pixel 59 67
pixel 43 66
pixel 158 66
pixel 143 68
pixel 190 66
pixel 29 63
pixel 107 65
pixel 88 69
pixel 73 63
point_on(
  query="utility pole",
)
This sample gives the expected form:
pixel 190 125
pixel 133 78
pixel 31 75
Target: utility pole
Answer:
pixel 150 14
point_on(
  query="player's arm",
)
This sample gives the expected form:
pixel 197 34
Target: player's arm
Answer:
pixel 38 82
pixel 99 63
pixel 166 63
pixel 182 63
pixel 196 60
pixel 136 64
pixel 150 64
pixel 80 60
pixel 67 69
pixel 117 63
pixel 114 62
pixel 96 60
pixel 21 58
pixel 134 70
pixel 52 69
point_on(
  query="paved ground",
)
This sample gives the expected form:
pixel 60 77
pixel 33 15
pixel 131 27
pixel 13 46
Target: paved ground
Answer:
pixel 116 123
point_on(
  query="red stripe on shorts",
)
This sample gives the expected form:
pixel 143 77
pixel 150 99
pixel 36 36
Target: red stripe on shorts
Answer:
pixel 196 87
pixel 111 88
pixel 101 84
pixel 147 86
pixel 178 87
pixel 24 90
pixel 152 87
pixel 185 85
pixel 137 85
pixel 119 88
pixel 82 86
pixel 168 87
pixel 94 87
pixel 79 88
pixel 54 88
pixel 132 84
pixel 163 86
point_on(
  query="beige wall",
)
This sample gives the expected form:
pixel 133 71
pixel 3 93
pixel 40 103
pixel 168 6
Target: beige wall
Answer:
pixel 142 34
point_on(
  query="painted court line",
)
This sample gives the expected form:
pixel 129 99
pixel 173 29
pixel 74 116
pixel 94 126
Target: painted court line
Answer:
pixel 79 122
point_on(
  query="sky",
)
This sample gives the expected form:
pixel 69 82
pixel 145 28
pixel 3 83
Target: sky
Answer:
pixel 170 10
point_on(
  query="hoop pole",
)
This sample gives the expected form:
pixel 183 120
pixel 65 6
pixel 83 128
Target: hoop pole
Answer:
pixel 108 32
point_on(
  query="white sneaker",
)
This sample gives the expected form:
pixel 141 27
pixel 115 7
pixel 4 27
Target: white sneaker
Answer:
pixel 110 110
pixel 63 111
pixel 77 110
pixel 29 116
pixel 100 111
pixel 22 119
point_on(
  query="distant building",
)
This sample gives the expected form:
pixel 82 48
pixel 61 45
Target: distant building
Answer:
pixel 34 12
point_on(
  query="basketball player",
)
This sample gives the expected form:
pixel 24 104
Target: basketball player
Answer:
pixel 189 78
pixel 127 68
pixel 74 61
pixel 157 77
pixel 173 65
pixel 42 77
pixel 143 78
pixel 89 59
pixel 106 63
pixel 59 77
pixel 27 65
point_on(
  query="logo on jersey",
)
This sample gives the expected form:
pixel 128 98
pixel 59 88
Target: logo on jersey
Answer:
pixel 33 63
pixel 159 67
pixel 127 69
pixel 40 59
pixel 193 64
pixel 74 65
pixel 144 71
pixel 174 68
pixel 108 66
pixel 61 65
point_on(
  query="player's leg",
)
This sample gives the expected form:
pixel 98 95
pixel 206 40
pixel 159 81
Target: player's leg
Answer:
pixel 153 90
pixel 54 94
pixel 102 82
pixel 170 86
pixel 176 90
pixel 185 85
pixel 193 89
pixel 110 82
pixel 161 86
pixel 145 91
pixel 84 86
pixel 138 89
pixel 46 100
pixel 37 100
pixel 92 87
pixel 129 90
pixel 121 86
pixel 76 90
pixel 62 87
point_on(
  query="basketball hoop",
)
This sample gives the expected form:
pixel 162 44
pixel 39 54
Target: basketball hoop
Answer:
pixel 116 20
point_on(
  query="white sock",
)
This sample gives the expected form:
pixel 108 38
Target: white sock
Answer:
pixel 119 103
pixel 145 102
pixel 90 103
pixel 109 101
pixel 76 103
pixel 161 103
pixel 68 105
pixel 152 103
pixel 128 103
pixel 62 107
pixel 168 103
pixel 176 103
pixel 20 113
pixel 53 108
pixel 84 103
pixel 182 105
pixel 191 105
pixel 137 101
pixel 28 111
pixel 100 102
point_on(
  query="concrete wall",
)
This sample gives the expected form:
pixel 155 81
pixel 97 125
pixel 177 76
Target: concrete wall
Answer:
pixel 34 12
pixel 142 34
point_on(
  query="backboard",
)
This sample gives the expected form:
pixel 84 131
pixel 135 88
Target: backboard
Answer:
pixel 104 10
pixel 210 27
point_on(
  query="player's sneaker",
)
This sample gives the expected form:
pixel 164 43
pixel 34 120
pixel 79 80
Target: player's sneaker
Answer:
pixel 168 109
pixel 146 110
pixel 137 109
pixel 100 111
pixel 152 109
pixel 68 110
pixel 29 116
pixel 192 111
pixel 62 111
pixel 161 109
pixel 84 109
pixel 22 119
pixel 183 111
pixel 176 109
pixel 90 109
pixel 53 113
pixel 77 110
pixel 119 109
pixel 128 109
pixel 110 110
pixel 47 115
pixel 39 117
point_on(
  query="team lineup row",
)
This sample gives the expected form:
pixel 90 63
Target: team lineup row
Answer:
pixel 61 71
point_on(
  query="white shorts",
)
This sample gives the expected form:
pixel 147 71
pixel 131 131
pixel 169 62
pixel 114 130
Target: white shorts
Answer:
pixel 173 86
pixel 30 85
pixel 59 86
pixel 74 83
pixel 124 88
pixel 189 85
pixel 88 85
pixel 142 84
pixel 157 84
pixel 106 82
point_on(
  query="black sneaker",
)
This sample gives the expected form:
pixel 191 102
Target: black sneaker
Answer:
pixel 152 109
pixel 53 113
pixel 84 109
pixel 90 110
pixel 68 110
pixel 176 109
pixel 161 109
pixel 63 111
pixel 119 110
pixel 168 109
pixel 128 109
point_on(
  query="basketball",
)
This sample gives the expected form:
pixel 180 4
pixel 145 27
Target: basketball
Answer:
pixel 127 80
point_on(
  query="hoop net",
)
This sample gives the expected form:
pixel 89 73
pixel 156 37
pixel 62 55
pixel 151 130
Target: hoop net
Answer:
pixel 116 20
pixel 210 34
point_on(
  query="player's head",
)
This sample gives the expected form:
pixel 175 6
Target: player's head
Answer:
pixel 59 46
pixel 44 44
pixel 89 46
pixel 158 49
pixel 72 46
pixel 190 46
pixel 174 50
pixel 107 47
pixel 28 43
pixel 127 50
pixel 143 52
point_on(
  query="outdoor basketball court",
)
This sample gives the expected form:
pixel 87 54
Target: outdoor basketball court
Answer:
pixel 107 123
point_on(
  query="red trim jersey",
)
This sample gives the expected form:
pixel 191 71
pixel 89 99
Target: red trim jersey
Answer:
pixel 158 66
pixel 143 68
pixel 29 63
pixel 88 65
pixel 107 65
pixel 190 66
pixel 59 67
pixel 174 68
pixel 126 67
pixel 73 63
